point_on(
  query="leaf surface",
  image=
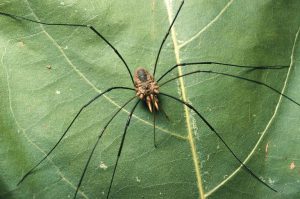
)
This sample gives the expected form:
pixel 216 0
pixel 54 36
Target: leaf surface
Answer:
pixel 48 73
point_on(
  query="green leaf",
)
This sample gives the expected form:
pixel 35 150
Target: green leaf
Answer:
pixel 49 72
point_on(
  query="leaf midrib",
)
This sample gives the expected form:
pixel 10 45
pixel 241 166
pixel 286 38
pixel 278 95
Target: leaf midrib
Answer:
pixel 186 109
pixel 184 98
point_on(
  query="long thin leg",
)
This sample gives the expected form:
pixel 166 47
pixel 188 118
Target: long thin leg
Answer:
pixel 154 122
pixel 223 64
pixel 76 116
pixel 154 134
pixel 221 138
pixel 73 25
pixel 234 76
pixel 164 39
pixel 164 112
pixel 121 146
pixel 95 145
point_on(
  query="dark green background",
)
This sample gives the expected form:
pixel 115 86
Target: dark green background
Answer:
pixel 38 103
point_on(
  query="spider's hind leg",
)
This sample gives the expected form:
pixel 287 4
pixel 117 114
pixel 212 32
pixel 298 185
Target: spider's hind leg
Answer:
pixel 95 145
pixel 154 136
pixel 121 146
pixel 222 140
pixel 68 128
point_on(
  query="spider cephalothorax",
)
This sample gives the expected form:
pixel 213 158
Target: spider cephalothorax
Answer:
pixel 146 87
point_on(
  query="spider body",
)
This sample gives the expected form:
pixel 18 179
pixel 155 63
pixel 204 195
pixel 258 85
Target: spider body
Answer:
pixel 146 87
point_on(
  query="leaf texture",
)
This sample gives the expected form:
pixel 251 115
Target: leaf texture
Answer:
pixel 48 73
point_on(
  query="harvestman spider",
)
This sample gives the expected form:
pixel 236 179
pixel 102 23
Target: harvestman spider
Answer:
pixel 147 89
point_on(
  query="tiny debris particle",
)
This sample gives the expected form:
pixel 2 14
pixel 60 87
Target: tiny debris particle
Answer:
pixel 57 92
pixel 137 179
pixel 103 166
pixel 207 158
pixel 292 165
pixel 21 44
pixel 206 173
pixel 48 66
pixel 271 181
pixel 266 150
pixel 102 192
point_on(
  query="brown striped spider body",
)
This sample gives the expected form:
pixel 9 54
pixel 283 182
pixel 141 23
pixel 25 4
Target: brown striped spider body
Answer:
pixel 146 87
